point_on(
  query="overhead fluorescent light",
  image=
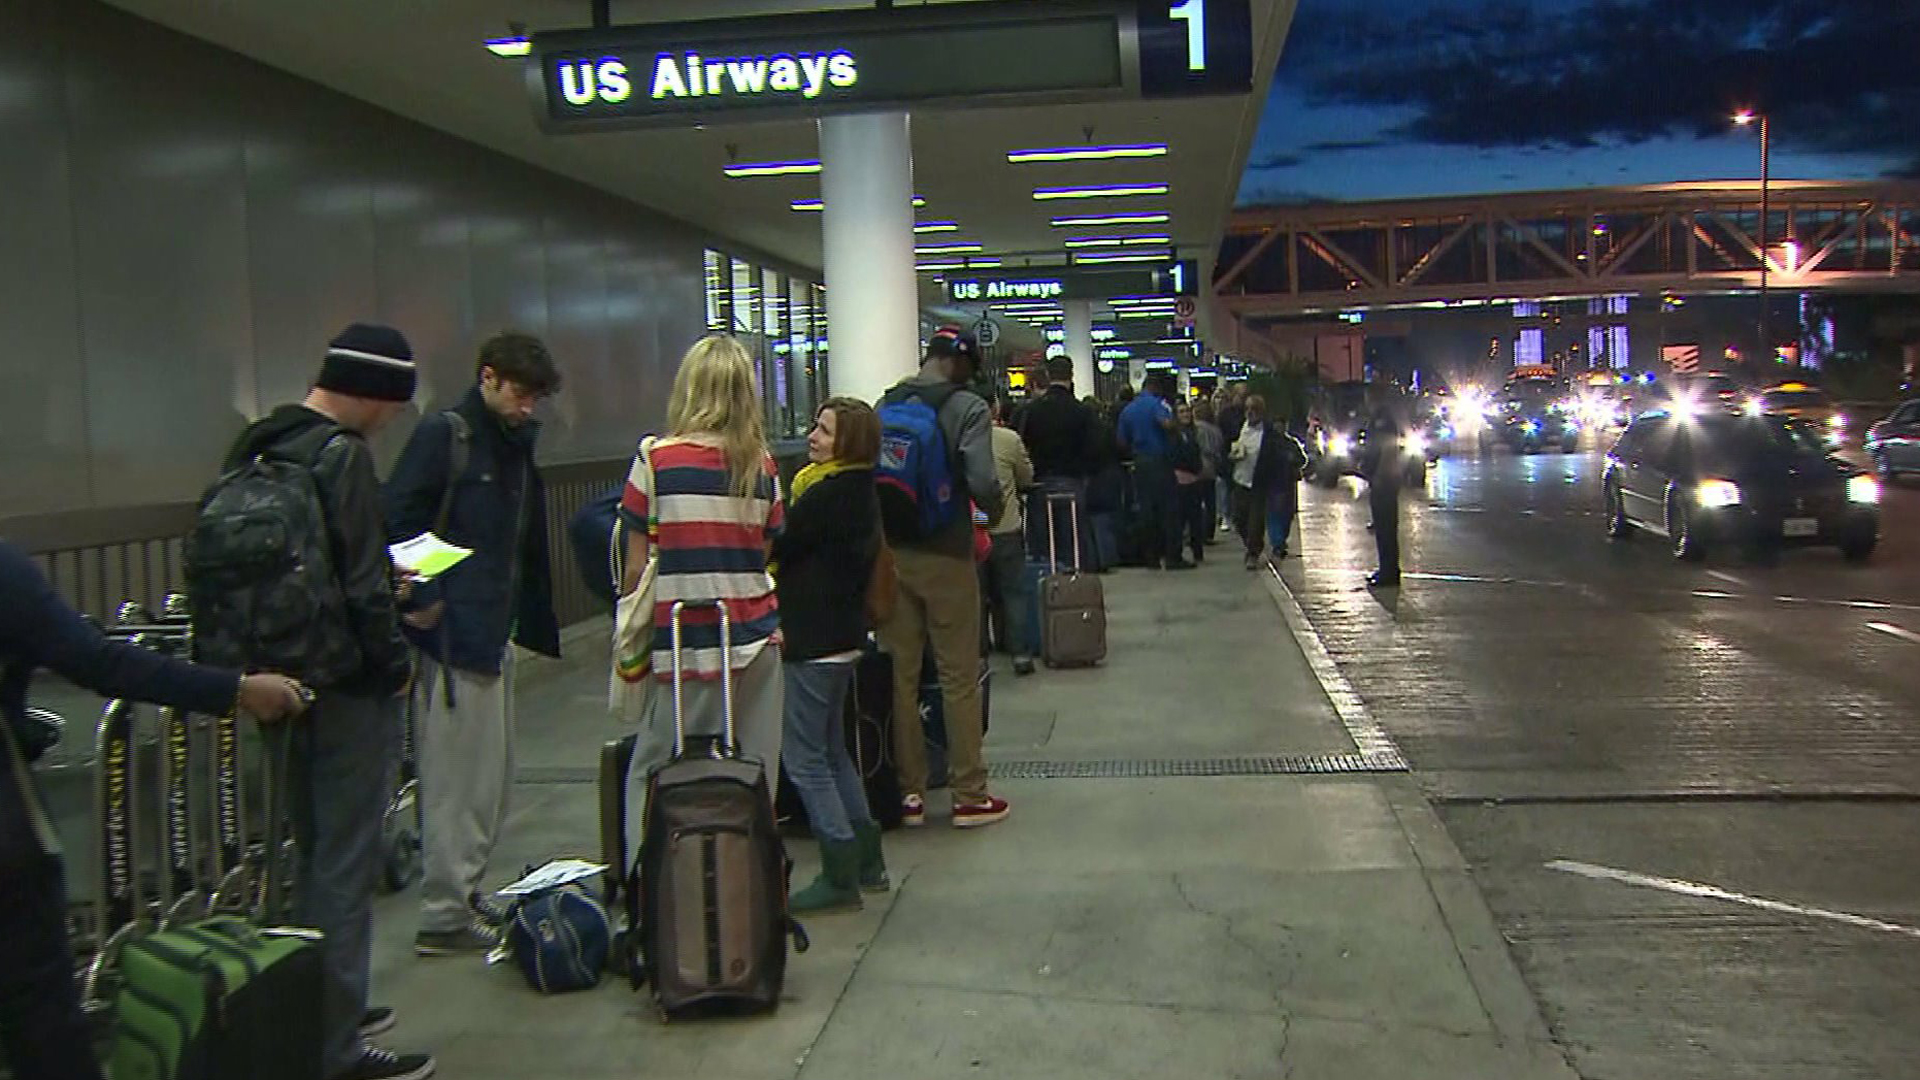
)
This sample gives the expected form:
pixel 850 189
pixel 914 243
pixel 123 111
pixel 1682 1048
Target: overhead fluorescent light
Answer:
pixel 1143 313
pixel 771 168
pixel 1122 256
pixel 986 264
pixel 937 226
pixel 817 205
pixel 1088 153
pixel 1145 217
pixel 1122 301
pixel 1098 191
pixel 947 249
pixel 941 264
pixel 1116 241
pixel 509 46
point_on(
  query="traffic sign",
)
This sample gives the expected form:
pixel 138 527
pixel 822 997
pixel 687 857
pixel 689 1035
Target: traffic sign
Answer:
pixel 986 333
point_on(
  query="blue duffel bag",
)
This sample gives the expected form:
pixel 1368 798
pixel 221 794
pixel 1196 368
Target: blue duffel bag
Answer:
pixel 560 940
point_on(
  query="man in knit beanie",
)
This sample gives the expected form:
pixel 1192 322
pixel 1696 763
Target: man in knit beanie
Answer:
pixel 346 754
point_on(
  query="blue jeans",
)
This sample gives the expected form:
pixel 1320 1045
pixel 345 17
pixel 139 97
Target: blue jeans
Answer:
pixel 813 748
pixel 1279 521
pixel 341 772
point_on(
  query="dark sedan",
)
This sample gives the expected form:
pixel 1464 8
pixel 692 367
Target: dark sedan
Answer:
pixel 1756 481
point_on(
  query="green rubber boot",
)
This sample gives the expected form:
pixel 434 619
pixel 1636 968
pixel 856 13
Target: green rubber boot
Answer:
pixel 873 866
pixel 837 888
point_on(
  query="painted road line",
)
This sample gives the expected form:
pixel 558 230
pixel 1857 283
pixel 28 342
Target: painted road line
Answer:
pixel 1714 892
pixel 1368 736
pixel 1726 577
pixel 1891 630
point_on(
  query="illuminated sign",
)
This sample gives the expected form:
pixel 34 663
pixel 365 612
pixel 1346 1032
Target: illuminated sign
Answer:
pixel 1071 283
pixel 813 63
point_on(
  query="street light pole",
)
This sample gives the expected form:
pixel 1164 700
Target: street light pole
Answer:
pixel 1743 118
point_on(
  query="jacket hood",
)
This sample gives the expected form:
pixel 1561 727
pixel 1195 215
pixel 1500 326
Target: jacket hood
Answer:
pixel 277 426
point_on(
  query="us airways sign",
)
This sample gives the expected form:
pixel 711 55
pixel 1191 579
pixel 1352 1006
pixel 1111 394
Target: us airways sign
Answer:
pixel 993 52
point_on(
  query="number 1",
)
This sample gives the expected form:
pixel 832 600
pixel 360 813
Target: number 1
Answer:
pixel 1194 14
pixel 1179 270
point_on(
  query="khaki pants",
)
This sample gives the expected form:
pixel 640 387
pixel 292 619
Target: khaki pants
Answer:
pixel 939 604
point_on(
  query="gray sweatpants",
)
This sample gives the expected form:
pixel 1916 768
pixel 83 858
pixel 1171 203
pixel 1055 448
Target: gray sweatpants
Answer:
pixel 344 762
pixel 757 703
pixel 466 780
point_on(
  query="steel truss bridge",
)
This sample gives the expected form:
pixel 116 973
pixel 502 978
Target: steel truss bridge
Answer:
pixel 1685 238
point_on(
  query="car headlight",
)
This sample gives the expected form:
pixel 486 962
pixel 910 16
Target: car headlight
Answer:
pixel 1416 443
pixel 1717 494
pixel 1755 407
pixel 1339 445
pixel 1863 489
pixel 1836 422
pixel 1531 427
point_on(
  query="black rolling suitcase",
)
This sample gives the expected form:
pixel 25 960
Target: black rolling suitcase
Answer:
pixel 709 897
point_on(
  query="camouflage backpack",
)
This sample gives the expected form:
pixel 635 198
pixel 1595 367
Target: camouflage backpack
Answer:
pixel 260 570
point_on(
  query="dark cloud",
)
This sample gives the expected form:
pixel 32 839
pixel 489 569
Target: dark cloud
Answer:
pixel 1276 161
pixel 1341 146
pixel 1833 75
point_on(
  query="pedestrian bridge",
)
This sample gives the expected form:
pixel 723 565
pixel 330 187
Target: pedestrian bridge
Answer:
pixel 1685 238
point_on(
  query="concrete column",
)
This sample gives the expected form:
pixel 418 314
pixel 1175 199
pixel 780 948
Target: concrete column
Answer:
pixel 873 300
pixel 1077 326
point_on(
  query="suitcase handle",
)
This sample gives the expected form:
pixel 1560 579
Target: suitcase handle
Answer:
pixel 679 679
pixel 1073 517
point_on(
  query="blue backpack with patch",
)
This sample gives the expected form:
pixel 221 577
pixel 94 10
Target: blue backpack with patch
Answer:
pixel 919 495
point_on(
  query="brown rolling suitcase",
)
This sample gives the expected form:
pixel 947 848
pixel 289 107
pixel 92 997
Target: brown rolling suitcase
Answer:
pixel 1073 604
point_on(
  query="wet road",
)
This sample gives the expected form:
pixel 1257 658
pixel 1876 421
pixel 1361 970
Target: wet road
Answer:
pixel 1652 727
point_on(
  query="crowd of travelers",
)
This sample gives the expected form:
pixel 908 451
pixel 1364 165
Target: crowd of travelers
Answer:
pixel 812 578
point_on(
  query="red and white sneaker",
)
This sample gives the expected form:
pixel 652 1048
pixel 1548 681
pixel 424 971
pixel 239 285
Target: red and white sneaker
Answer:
pixel 972 815
pixel 913 811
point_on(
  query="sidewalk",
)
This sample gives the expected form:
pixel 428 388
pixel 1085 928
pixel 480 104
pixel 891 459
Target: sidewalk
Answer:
pixel 1194 902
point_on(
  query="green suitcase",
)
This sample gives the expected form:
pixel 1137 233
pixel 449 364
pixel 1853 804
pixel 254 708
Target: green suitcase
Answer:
pixel 219 1000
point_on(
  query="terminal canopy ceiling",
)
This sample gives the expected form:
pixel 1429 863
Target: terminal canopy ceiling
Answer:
pixel 426 61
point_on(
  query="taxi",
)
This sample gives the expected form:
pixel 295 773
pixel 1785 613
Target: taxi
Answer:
pixel 1803 402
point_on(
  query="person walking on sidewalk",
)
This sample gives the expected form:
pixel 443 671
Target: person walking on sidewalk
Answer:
pixel 1213 461
pixel 1266 474
pixel 711 505
pixel 1009 590
pixel 823 566
pixel 939 601
pixel 43 1033
pixel 346 758
pixel 467 474
pixel 1146 430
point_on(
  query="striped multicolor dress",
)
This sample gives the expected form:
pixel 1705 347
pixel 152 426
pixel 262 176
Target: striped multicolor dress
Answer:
pixel 711 545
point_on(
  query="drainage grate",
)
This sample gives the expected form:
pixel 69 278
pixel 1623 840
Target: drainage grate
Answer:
pixel 1276 765
pixel 1125 769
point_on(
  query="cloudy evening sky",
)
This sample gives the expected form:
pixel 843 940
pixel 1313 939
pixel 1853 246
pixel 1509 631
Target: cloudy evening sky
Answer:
pixel 1393 98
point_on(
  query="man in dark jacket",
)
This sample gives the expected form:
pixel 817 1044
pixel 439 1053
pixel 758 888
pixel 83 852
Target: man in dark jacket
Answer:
pixel 939 602
pixel 42 1031
pixel 465 622
pixel 345 761
pixel 1385 466
pixel 1063 437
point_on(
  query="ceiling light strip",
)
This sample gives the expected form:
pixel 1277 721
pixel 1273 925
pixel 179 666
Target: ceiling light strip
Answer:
pixel 1122 256
pixel 814 206
pixel 948 249
pixel 1116 241
pixel 771 168
pixel 1088 153
pixel 509 46
pixel 937 227
pixel 1098 191
pixel 1147 217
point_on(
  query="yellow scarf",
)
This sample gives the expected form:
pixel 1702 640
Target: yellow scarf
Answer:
pixel 816 471
pixel 812 473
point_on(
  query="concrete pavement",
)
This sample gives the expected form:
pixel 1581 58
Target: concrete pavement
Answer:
pixel 1192 903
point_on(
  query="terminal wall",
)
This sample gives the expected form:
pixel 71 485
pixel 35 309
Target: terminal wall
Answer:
pixel 182 229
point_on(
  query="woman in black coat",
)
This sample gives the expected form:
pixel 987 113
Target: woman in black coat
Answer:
pixel 823 563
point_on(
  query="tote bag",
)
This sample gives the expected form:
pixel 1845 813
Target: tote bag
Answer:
pixel 630 684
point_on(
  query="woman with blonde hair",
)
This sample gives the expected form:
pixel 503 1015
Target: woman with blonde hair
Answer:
pixel 824 566
pixel 704 502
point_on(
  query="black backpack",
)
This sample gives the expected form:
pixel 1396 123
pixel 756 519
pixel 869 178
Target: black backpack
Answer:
pixel 260 572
